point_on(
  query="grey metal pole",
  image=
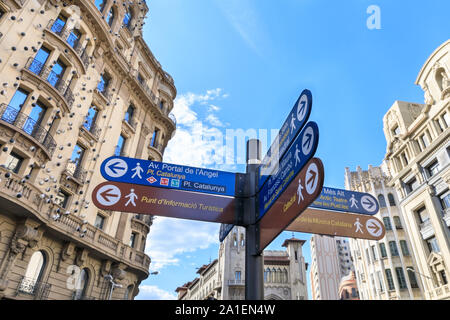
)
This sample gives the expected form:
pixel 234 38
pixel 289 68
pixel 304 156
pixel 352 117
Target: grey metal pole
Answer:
pixel 254 284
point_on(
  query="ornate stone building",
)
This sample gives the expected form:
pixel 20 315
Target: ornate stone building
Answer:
pixel 77 84
pixel 224 278
pixel 348 288
pixel 418 161
pixel 384 269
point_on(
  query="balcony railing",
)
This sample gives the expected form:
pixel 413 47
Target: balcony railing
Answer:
pixel 27 125
pixel 146 218
pixel 38 289
pixel 236 282
pixel 92 128
pixel 76 171
pixel 54 79
pixel 172 117
pixel 147 90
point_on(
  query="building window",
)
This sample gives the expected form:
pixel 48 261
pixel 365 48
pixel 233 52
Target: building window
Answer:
pixel 374 253
pixel 133 239
pixel 391 200
pixel 381 201
pixel 2 12
pixel 59 24
pixel 425 141
pixel 445 119
pixel 161 104
pixel 153 141
pixel 110 17
pixel 39 61
pixel 445 201
pixel 354 293
pixel 120 146
pixel 76 159
pixel 62 198
pixel 127 18
pixel 34 272
pixel 383 250
pixel 89 122
pixel 404 247
pixel 14 162
pixel 411 185
pixel 412 277
pixel 443 277
pixel 401 278
pixel 422 215
pixel 396 130
pixel 368 255
pixel 99 221
pixel 82 285
pixel 55 76
pixel 242 240
pixel 387 223
pixel 32 124
pixel 105 80
pixel 129 113
pixel 100 4
pixel 74 38
pixel 128 293
pixel 432 169
pixel 433 245
pixel 397 222
pixel 140 78
pixel 389 279
pixel 237 275
pixel 393 248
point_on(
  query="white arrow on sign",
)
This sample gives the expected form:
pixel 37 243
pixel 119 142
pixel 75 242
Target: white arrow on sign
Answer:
pixel 116 168
pixel 302 106
pixel 374 227
pixel 108 195
pixel 307 140
pixel 368 204
pixel 312 178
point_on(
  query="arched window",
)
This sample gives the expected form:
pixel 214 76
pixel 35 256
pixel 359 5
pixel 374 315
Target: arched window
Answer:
pixel 129 293
pixel 381 201
pixel 274 275
pixel 235 243
pixel 242 240
pixel 82 285
pixel 34 272
pixel 391 200
pixel 110 17
pixel 267 275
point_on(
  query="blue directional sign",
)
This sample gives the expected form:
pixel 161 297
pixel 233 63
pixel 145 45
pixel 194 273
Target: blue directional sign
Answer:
pixel 290 129
pixel 346 201
pixel 166 175
pixel 300 152
pixel 224 231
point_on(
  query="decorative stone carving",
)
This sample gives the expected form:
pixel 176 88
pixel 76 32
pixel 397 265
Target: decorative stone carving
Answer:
pixel 118 271
pixel 67 251
pixel 81 257
pixel 427 95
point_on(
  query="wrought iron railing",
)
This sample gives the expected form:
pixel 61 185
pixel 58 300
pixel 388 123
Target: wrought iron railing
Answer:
pixel 28 125
pixel 104 90
pixel 38 289
pixel 92 127
pixel 76 171
pixel 172 117
pixel 54 79
pixel 147 90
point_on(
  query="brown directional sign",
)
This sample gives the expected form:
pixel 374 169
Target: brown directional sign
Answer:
pixel 125 197
pixel 339 224
pixel 300 193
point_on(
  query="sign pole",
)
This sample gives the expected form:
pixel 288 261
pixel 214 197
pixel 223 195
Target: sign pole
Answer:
pixel 254 284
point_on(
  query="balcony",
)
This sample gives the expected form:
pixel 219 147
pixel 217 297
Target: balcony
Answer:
pixel 104 92
pixel 38 289
pixel 53 80
pixel 32 203
pixel 236 282
pixel 92 128
pixel 76 171
pixel 67 37
pixel 29 127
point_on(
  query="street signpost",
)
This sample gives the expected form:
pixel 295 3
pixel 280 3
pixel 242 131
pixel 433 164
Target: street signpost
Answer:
pixel 294 122
pixel 224 231
pixel 347 201
pixel 300 152
pixel 117 196
pixel 166 175
pixel 297 196
pixel 326 222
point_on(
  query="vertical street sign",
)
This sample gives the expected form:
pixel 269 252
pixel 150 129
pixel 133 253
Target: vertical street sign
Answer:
pixel 300 152
pixel 297 196
pixel 224 231
pixel 117 196
pixel 166 175
pixel 347 201
pixel 339 224
pixel 294 122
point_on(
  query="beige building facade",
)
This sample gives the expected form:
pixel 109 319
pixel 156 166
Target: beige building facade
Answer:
pixel 331 261
pixel 384 269
pixel 418 162
pixel 78 84
pixel 224 278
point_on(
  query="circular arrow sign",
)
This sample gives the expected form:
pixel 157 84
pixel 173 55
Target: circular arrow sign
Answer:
pixel 116 168
pixel 369 204
pixel 108 195
pixel 374 227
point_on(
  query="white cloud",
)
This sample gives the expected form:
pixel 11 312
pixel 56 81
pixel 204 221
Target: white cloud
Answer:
pixel 149 292
pixel 213 120
pixel 169 238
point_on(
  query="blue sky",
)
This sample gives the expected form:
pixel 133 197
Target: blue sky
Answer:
pixel 241 64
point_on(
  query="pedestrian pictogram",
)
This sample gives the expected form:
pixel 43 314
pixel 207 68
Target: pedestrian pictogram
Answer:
pixel 137 171
pixel 131 198
pixel 358 226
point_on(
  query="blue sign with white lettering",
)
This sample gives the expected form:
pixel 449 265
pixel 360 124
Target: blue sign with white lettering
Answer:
pixel 301 151
pixel 346 201
pixel 224 231
pixel 290 129
pixel 166 175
